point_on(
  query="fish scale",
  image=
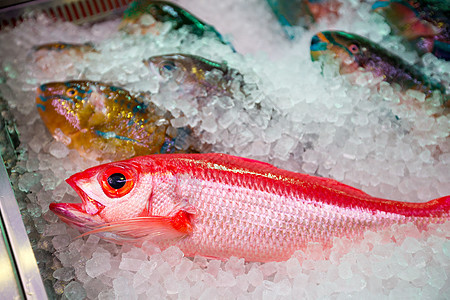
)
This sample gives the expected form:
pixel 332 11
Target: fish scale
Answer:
pixel 240 207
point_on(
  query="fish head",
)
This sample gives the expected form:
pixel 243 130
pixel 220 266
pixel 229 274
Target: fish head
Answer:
pixel 147 14
pixel 60 104
pixel 347 50
pixel 109 192
pixel 129 201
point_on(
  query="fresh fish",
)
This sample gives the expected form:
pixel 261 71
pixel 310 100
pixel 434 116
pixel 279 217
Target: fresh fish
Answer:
pixel 60 46
pixel 105 122
pixel 302 13
pixel 196 75
pixel 424 24
pixel 217 205
pixel 144 16
pixel 354 52
pixel 59 58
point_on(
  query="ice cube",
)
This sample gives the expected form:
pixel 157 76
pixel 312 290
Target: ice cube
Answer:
pixel 74 291
pixel 99 263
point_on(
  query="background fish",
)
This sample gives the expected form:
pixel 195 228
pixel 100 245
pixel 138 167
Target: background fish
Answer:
pixel 105 122
pixel 424 24
pixel 302 13
pixel 146 16
pixel 353 52
pixel 60 46
pixel 217 205
pixel 196 75
pixel 59 57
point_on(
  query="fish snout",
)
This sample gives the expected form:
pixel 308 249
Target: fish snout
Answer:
pixel 74 214
pixel 318 47
pixel 90 206
pixel 49 90
pixel 152 66
pixel 42 97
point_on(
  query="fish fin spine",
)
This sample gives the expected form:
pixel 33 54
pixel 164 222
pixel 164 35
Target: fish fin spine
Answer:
pixel 181 222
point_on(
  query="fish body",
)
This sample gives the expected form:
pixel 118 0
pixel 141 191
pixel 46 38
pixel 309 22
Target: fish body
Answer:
pixel 424 24
pixel 59 57
pixel 103 121
pixel 195 75
pixel 353 52
pixel 59 49
pixel 302 13
pixel 217 205
pixel 61 46
pixel 162 12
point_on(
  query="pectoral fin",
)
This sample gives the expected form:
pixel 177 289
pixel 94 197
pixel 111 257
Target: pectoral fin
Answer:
pixel 153 228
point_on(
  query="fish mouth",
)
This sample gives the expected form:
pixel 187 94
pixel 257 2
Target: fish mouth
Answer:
pixel 319 46
pixel 74 215
pixel 152 65
pixel 89 205
pixel 83 216
pixel 42 97
pixel 45 93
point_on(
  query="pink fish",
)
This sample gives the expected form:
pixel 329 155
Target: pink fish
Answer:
pixel 218 206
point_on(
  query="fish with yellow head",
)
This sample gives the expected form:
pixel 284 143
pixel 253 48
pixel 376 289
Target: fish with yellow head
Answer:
pixel 105 122
pixel 355 53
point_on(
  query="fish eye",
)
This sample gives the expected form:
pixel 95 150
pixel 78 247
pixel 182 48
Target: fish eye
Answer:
pixel 354 48
pixel 71 92
pixel 117 181
pixel 167 65
pixel 167 68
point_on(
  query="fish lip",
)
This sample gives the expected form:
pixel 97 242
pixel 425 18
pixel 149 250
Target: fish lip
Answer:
pixel 75 215
pixel 318 46
pixel 89 205
pixel 150 63
pixel 154 70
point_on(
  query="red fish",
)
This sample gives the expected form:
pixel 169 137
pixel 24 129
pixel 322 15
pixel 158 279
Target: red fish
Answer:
pixel 217 205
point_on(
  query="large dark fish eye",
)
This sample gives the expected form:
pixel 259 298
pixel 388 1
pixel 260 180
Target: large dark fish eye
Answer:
pixel 117 180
